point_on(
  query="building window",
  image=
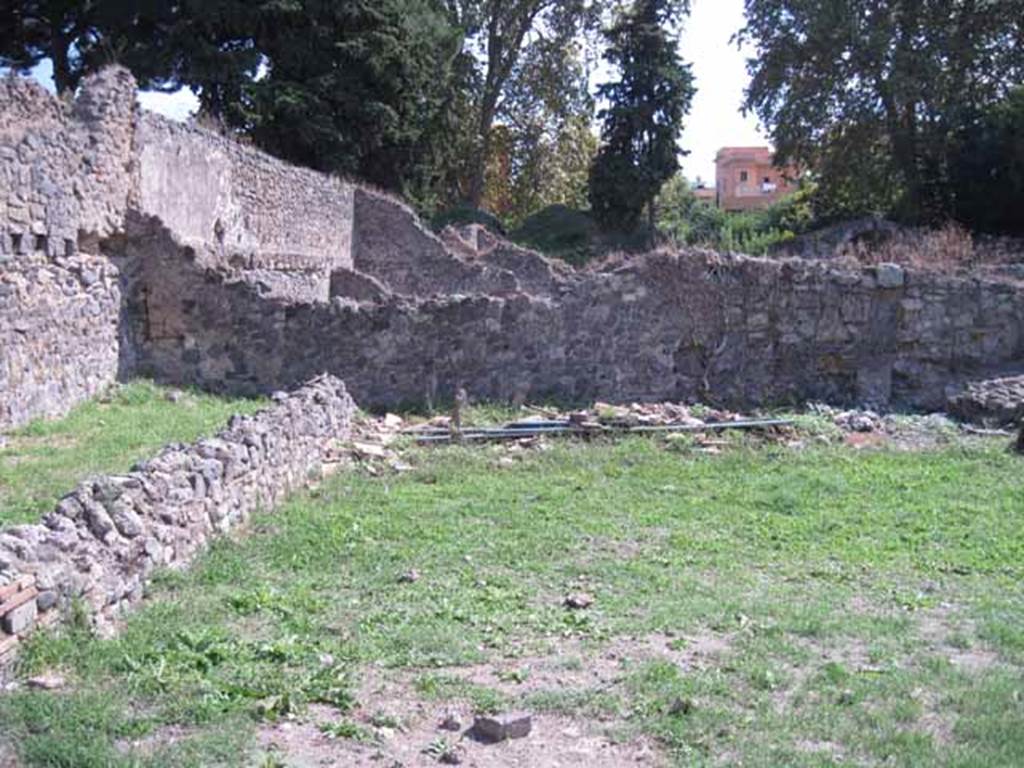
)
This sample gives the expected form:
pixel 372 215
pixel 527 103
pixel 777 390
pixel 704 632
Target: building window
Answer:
pixel 743 176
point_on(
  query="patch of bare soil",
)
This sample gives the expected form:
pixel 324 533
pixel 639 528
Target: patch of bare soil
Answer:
pixel 947 633
pixel 403 729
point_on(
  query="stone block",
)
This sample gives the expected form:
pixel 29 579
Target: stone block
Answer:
pixel 495 728
pixel 19 620
pixel 890 276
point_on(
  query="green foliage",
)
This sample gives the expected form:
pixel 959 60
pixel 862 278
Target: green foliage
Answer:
pixel 358 88
pixel 204 44
pixel 871 96
pixel 526 73
pixel 684 219
pixel 989 168
pixel 557 230
pixel 644 116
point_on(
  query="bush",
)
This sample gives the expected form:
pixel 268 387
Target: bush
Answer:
pixel 559 231
pixel 687 220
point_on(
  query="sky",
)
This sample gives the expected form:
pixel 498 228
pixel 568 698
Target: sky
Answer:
pixel 714 121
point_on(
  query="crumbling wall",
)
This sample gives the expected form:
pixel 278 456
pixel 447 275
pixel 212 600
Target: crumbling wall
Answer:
pixel 73 172
pixel 65 167
pixel 104 539
pixel 276 224
pixel 666 326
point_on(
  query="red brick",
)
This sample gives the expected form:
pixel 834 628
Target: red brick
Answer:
pixel 17 600
pixel 16 586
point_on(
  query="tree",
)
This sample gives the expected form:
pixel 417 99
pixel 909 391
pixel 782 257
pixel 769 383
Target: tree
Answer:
pixel 644 116
pixel 501 35
pixel 358 87
pixel 60 30
pixel 543 145
pixel 988 173
pixel 206 44
pixel 871 95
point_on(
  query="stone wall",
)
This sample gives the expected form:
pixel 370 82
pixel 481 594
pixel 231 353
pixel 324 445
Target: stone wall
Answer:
pixel 74 172
pixel 65 167
pixel 59 334
pixel 667 326
pixel 103 540
pixel 284 226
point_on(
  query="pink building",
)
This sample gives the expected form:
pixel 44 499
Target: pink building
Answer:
pixel 747 179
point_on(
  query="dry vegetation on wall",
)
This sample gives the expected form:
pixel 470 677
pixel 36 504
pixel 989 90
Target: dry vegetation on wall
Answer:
pixel 948 248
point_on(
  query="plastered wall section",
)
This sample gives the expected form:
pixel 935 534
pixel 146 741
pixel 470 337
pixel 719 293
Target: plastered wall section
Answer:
pixel 257 213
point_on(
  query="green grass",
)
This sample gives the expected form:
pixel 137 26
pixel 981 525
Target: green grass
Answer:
pixel 46 459
pixel 829 572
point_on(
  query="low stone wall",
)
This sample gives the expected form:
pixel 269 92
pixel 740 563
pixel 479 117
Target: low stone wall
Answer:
pixel 103 540
pixel 59 335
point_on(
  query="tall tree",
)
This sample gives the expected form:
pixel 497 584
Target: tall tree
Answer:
pixel 207 44
pixel 644 115
pixel 870 95
pixel 359 87
pixel 988 173
pixel 59 30
pixel 502 34
pixel 543 141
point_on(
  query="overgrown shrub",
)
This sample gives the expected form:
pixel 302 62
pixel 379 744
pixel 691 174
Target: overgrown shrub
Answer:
pixel 687 220
pixel 560 231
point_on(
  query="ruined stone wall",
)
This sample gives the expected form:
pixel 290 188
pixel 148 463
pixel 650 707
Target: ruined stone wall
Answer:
pixel 666 326
pixel 73 172
pixel 59 334
pixel 65 167
pixel 276 224
pixel 104 539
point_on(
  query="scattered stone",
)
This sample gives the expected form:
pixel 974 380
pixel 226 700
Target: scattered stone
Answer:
pixel 494 728
pixel 579 601
pixel 20 618
pixel 174 396
pixel 369 450
pixel 890 276
pixel 409 577
pixel 391 421
pixel 450 757
pixel 450 722
pixel 46 682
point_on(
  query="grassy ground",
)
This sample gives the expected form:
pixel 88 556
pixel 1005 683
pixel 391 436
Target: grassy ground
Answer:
pixel 46 459
pixel 765 607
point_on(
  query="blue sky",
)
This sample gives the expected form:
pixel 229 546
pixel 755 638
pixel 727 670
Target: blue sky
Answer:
pixel 714 121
